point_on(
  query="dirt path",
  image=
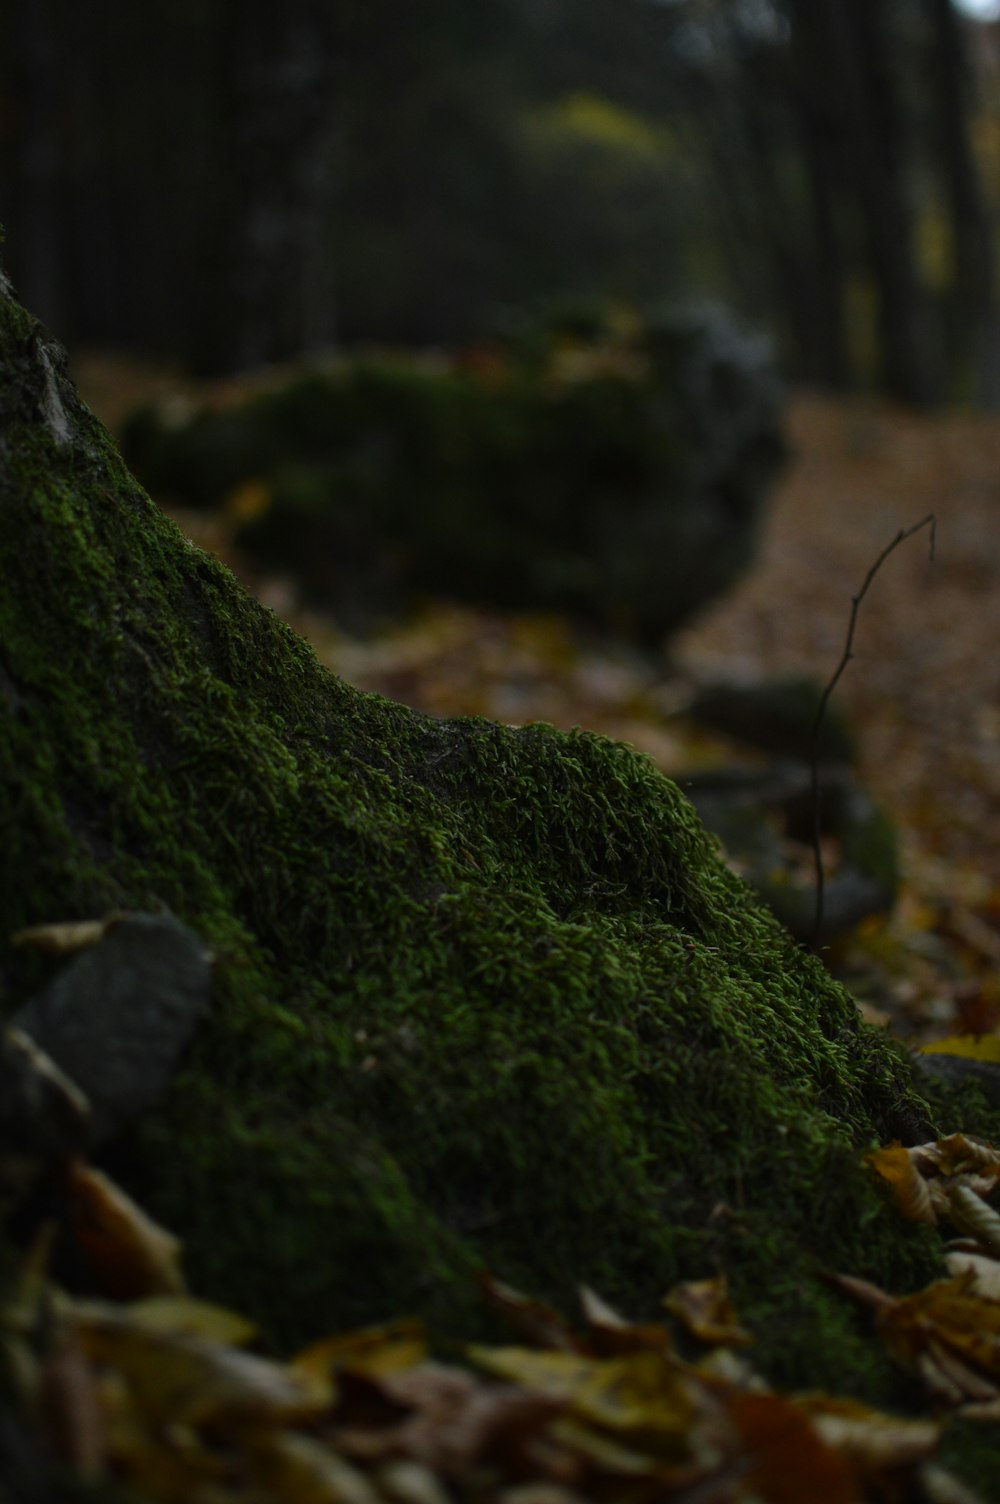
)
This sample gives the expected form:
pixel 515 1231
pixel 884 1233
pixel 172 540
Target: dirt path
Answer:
pixel 923 687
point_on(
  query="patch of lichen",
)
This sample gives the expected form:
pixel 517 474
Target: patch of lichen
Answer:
pixel 485 996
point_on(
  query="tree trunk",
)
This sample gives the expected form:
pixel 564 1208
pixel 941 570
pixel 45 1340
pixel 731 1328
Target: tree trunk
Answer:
pixel 483 995
pixel 849 39
pixel 270 245
pixel 973 329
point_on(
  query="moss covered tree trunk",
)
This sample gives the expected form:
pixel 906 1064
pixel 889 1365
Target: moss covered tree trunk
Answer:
pixel 485 997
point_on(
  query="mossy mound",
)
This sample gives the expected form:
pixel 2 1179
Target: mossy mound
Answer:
pixel 485 996
pixel 614 472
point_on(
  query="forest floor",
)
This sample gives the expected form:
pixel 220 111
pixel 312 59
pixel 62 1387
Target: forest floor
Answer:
pixel 921 693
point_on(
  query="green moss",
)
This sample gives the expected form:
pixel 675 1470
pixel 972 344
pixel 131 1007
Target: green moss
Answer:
pixel 486 996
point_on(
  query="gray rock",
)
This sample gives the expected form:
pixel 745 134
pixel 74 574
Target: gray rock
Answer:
pixel 116 1019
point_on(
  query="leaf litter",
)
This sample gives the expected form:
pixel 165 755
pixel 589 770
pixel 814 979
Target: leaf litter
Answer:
pixel 164 1394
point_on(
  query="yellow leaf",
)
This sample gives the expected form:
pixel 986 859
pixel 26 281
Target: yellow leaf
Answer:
pixel 645 1392
pixel 961 1152
pixel 912 1196
pixel 197 1318
pixel 374 1351
pixel 982 1047
pixel 74 934
pixel 178 1379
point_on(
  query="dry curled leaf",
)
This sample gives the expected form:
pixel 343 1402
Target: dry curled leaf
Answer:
pixel 895 1165
pixel 971 1215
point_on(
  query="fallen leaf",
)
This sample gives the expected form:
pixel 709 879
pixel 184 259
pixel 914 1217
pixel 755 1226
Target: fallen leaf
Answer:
pixel 375 1351
pixel 536 1322
pixel 704 1308
pixel 985 1272
pixel 982 1047
pixel 129 1254
pixel 300 1469
pixel 895 1165
pixel 75 934
pixel 971 1215
pixel 178 1379
pixel 789 1460
pixel 949 1335
pixel 614 1333
pixel 871 1439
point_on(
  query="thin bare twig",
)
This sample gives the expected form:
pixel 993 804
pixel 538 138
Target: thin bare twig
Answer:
pixel 845 658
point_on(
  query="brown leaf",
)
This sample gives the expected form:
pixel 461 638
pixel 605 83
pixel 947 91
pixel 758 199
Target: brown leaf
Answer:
pixel 457 1421
pixel 128 1253
pixel 536 1322
pixel 615 1334
pixel 790 1460
pixel 895 1165
pixel 704 1308
pixel 949 1335
pixel 862 1290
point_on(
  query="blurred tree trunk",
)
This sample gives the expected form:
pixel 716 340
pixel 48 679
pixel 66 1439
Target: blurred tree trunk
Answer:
pixel 269 244
pixel 34 165
pixel 848 47
pixel 971 333
pixel 824 348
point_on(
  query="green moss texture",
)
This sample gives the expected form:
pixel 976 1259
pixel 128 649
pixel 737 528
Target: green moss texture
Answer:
pixel 486 997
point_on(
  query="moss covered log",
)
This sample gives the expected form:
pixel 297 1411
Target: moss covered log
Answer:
pixel 485 996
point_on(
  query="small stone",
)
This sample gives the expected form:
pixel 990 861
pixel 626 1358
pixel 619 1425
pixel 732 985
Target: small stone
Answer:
pixel 117 1018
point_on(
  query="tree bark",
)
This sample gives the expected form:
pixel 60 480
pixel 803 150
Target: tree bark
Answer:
pixel 851 39
pixel 280 68
pixel 973 327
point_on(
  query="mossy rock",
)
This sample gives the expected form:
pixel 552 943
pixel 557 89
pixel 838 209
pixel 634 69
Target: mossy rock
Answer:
pixel 485 997
pixel 615 473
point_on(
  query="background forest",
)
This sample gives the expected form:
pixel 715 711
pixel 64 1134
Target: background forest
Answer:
pixel 234 184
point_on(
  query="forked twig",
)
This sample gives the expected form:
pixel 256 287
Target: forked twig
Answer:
pixel 845 658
